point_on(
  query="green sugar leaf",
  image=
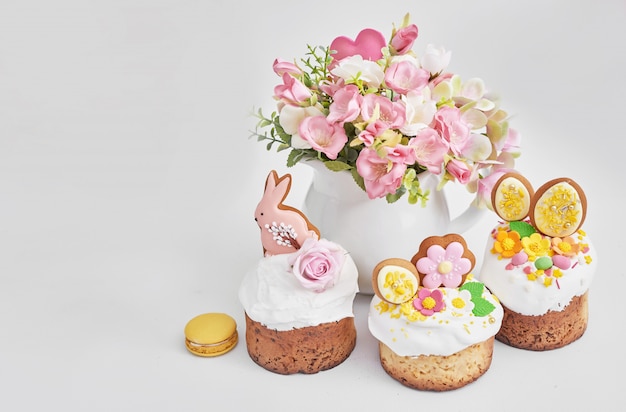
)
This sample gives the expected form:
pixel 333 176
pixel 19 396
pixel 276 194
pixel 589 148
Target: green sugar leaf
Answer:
pixel 475 289
pixel 524 229
pixel 482 307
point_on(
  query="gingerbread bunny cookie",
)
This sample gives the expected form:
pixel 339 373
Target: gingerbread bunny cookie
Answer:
pixel 283 228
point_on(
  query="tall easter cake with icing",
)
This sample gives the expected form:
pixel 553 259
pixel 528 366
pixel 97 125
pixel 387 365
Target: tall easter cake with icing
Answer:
pixel 539 262
pixel 435 324
pixel 298 299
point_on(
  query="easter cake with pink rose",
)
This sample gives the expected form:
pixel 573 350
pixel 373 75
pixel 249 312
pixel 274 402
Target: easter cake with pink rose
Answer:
pixel 298 298
pixel 539 262
pixel 434 322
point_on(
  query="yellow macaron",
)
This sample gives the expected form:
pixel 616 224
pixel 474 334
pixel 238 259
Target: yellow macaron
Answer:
pixel 211 334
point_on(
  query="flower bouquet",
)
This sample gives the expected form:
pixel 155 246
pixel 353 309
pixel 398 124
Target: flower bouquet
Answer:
pixel 378 110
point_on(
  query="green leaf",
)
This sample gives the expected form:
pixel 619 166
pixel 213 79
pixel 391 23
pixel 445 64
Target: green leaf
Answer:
pixel 475 289
pixel 524 229
pixel 482 307
pixel 337 166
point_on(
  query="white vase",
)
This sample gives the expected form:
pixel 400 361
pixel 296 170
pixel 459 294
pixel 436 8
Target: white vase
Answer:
pixel 372 230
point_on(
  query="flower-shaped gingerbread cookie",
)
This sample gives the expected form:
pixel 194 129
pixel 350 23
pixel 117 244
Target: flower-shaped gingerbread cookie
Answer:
pixel 443 260
pixel 557 209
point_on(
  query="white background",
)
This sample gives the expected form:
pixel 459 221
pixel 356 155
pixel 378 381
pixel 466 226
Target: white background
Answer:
pixel 128 184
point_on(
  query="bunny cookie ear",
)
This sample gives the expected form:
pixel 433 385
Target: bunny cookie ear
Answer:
pixel 511 197
pixel 395 280
pixel 558 208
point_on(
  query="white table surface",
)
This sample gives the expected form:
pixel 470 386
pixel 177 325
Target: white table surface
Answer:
pixel 128 183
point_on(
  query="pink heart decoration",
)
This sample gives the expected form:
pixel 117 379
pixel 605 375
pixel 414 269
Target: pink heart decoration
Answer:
pixel 368 44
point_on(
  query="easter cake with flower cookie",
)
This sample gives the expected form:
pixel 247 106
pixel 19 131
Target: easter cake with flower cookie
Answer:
pixel 435 324
pixel 298 299
pixel 539 262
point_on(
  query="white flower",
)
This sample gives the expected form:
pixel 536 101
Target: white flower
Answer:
pixel 290 119
pixel 435 60
pixel 354 67
pixel 420 110
pixel 459 301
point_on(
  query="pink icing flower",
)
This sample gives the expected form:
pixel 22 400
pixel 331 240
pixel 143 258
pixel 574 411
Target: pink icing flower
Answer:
pixel 404 38
pixel 317 264
pixel 429 301
pixel 443 266
pixel 323 136
pixel 403 77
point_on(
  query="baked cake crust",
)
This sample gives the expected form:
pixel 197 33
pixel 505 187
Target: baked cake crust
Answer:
pixel 552 330
pixel 305 350
pixel 438 373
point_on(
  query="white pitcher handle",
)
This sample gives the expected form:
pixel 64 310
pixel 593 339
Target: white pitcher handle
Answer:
pixel 466 219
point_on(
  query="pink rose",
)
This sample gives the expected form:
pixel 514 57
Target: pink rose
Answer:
pixel 325 137
pixel 404 39
pixel 317 264
pixel 459 170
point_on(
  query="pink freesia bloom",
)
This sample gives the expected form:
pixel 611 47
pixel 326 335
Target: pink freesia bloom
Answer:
pixel 443 266
pixel 323 136
pixel 429 149
pixel 281 67
pixel 404 38
pixel 383 176
pixel 392 113
pixel 368 44
pixel 460 170
pixel 372 131
pixel 403 77
pixel 449 124
pixel 429 301
pixel 317 264
pixel 346 105
pixel 292 90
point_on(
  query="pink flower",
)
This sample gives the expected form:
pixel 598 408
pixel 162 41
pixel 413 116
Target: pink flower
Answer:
pixel 429 149
pixel 452 128
pixel 381 176
pixel 323 136
pixel 292 90
pixel 392 113
pixel 444 266
pixel 459 170
pixel 429 301
pixel 372 131
pixel 317 264
pixel 404 38
pixel 403 77
pixel 281 67
pixel 346 105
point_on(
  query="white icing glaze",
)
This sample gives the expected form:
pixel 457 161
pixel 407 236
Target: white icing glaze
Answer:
pixel 533 298
pixel 443 333
pixel 271 295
